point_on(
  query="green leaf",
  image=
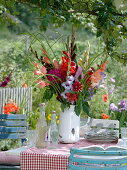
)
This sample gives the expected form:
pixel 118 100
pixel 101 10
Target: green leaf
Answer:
pixel 78 107
pixel 86 108
pixel 47 94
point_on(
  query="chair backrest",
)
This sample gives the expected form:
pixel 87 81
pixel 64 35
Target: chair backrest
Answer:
pixel 96 158
pixel 13 126
pixel 99 125
pixel 110 125
pixel 20 95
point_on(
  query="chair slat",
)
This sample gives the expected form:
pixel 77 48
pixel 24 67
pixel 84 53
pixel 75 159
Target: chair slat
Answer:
pixel 87 159
pixel 73 167
pixel 98 152
pixel 13 136
pixel 97 160
pixel 12 116
pixel 12 129
pixel 13 123
pixel 105 123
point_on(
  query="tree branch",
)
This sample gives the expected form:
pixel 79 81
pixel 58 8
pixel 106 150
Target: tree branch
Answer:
pixel 83 11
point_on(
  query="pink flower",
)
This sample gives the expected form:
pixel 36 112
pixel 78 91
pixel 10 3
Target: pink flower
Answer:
pixel 43 70
pixel 37 72
pixel 56 64
pixel 46 60
pixel 41 83
pixel 78 73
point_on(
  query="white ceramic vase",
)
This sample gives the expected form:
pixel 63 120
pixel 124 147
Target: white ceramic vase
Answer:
pixel 69 126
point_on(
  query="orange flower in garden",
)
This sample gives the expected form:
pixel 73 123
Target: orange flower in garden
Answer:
pixel 25 85
pixel 105 116
pixel 105 97
pixel 10 108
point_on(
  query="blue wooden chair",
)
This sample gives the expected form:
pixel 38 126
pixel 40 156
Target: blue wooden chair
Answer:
pixel 96 158
pixel 13 126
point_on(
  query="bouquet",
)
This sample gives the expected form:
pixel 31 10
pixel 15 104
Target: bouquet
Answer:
pixel 72 80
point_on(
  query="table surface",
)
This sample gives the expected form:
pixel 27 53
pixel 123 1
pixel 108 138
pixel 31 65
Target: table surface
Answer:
pixel 53 157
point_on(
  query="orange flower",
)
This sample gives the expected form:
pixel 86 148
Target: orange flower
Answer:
pixel 95 78
pixel 105 97
pixel 105 116
pixel 10 108
pixel 24 85
pixel 102 66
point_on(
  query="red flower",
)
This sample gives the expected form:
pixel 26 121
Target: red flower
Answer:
pixel 71 97
pixel 67 64
pixel 105 97
pixel 73 68
pixel 105 116
pixel 77 86
pixel 10 108
pixel 66 53
pixel 64 64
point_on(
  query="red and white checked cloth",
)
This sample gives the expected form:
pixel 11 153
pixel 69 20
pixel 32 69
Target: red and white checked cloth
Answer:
pixel 52 157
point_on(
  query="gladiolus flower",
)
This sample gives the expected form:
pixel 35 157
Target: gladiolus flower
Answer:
pixel 37 72
pixel 56 64
pixel 46 60
pixel 41 83
pixel 43 70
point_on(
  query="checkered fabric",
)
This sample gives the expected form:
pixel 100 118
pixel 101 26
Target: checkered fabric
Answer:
pixel 51 158
pixel 43 162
